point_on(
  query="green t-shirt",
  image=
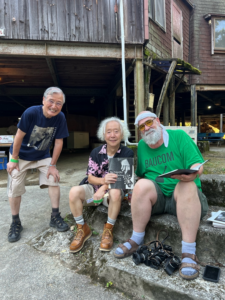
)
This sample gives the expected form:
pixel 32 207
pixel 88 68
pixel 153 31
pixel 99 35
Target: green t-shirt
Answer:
pixel 181 153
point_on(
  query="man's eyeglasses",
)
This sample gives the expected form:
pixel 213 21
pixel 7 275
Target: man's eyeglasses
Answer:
pixel 147 123
pixel 59 104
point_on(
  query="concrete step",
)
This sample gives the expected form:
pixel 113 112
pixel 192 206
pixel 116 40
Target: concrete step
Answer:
pixel 137 282
pixel 210 240
pixel 213 187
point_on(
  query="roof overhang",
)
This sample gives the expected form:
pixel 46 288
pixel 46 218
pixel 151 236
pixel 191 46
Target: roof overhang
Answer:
pixel 208 16
pixel 190 3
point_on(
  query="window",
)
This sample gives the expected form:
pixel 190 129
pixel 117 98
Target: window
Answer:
pixel 219 34
pixel 157 12
pixel 217 22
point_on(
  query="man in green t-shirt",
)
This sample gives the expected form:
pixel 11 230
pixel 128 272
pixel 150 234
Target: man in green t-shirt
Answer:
pixel 161 151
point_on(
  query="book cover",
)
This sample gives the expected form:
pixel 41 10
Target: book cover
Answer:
pixel 124 168
pixel 218 217
pixel 181 171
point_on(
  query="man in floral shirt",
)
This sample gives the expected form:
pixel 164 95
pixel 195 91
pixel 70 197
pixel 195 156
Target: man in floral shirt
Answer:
pixel 112 131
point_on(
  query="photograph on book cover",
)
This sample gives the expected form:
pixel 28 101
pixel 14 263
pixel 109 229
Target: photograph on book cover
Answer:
pixel 220 217
pixel 124 168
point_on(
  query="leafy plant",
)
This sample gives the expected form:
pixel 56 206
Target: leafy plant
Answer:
pixel 108 284
pixel 95 232
pixel 66 218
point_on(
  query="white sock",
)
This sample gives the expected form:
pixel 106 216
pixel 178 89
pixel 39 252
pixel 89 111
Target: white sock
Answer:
pixel 191 249
pixel 111 221
pixel 79 220
pixel 137 237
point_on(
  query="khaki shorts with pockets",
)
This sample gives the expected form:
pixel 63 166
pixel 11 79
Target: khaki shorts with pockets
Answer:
pixel 16 181
pixel 167 205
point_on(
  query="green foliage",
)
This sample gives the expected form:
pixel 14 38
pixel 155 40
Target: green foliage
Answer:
pixel 66 218
pixel 95 232
pixel 109 284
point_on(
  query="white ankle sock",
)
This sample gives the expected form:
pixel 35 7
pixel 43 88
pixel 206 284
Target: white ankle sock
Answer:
pixel 191 249
pixel 137 237
pixel 79 220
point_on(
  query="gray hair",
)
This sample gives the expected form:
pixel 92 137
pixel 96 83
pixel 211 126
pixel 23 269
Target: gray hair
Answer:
pixel 54 90
pixel 123 126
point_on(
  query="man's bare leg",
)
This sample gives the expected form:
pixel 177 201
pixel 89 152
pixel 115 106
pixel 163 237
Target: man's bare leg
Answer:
pixel 15 205
pixel 54 194
pixel 114 204
pixel 188 215
pixel 76 198
pixel 143 198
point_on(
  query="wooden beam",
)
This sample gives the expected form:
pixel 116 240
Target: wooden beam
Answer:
pixel 17 91
pixel 53 71
pixel 147 78
pixel 177 85
pixel 165 86
pixel 193 105
pixel 68 50
pixel 160 77
pixel 172 101
pixel 166 111
pixel 208 87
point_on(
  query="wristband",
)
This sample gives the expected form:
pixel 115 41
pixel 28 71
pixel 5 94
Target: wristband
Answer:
pixel 98 201
pixel 52 165
pixel 14 160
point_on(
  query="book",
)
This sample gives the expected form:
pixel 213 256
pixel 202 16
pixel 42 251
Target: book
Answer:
pixel 124 168
pixel 181 171
pixel 217 218
pixel 218 225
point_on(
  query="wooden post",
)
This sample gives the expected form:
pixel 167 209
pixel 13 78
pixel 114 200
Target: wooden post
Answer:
pixel 165 86
pixel 221 122
pixel 193 105
pixel 147 78
pixel 172 101
pixel 199 124
pixel 183 118
pixel 166 111
pixel 138 90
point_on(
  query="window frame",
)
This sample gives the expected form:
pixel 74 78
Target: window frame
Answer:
pixel 154 13
pixel 215 50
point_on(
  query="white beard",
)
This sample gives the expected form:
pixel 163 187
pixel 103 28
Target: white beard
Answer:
pixel 152 136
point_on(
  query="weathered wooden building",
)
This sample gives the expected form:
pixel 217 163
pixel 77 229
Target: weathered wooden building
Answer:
pixel 76 45
pixel 73 44
pixel 207 52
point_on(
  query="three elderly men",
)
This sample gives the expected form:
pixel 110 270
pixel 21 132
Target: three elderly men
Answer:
pixel 159 151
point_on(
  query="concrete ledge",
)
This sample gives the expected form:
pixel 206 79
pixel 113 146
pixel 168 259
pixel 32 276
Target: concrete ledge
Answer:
pixel 213 186
pixel 210 240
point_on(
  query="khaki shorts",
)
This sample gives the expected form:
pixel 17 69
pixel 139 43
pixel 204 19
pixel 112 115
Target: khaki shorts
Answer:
pixel 16 181
pixel 89 193
pixel 167 205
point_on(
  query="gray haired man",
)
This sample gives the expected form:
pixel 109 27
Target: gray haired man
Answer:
pixel 38 126
pixel 180 195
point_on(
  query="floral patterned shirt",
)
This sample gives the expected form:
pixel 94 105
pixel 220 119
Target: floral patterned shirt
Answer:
pixel 98 162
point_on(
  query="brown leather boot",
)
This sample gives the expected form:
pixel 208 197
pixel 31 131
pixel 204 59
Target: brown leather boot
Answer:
pixel 107 238
pixel 83 233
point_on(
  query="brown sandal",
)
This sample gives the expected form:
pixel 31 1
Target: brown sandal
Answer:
pixel 190 265
pixel 126 252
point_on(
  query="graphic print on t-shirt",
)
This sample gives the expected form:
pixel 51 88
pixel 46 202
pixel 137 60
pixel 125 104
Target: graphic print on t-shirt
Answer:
pixel 41 138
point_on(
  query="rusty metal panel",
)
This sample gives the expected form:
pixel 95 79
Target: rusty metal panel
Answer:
pixel 71 20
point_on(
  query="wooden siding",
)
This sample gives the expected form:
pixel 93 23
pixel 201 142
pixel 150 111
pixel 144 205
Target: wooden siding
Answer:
pixel 160 42
pixel 212 66
pixel 71 20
